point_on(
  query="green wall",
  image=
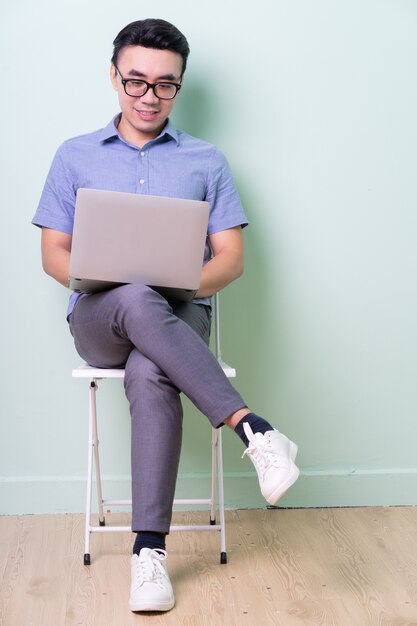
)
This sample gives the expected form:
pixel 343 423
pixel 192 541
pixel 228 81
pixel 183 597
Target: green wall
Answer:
pixel 314 103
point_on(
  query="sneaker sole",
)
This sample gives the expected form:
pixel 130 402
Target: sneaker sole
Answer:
pixel 152 606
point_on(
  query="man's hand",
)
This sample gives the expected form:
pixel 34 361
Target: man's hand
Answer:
pixel 56 249
pixel 226 264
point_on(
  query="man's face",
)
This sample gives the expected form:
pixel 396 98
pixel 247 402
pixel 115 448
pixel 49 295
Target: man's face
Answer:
pixel 144 117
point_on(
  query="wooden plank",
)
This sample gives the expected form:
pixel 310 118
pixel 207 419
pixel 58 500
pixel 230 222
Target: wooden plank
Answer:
pixel 295 567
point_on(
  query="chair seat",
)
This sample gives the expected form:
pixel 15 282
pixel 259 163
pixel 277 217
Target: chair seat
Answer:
pixel 87 371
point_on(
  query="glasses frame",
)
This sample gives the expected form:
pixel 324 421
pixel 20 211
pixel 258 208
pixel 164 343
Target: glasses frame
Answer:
pixel 148 86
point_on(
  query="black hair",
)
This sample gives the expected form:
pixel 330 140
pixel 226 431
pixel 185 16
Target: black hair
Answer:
pixel 152 33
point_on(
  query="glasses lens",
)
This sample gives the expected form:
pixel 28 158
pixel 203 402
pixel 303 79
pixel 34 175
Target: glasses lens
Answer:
pixel 165 91
pixel 135 87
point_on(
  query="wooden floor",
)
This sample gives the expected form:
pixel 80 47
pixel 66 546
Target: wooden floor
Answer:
pixel 339 567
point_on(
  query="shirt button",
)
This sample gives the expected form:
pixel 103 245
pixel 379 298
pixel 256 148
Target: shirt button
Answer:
pixel 142 182
pixel 142 154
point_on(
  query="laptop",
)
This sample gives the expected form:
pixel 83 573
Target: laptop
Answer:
pixel 122 238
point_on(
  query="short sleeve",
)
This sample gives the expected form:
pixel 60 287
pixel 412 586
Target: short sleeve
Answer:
pixel 57 204
pixel 226 208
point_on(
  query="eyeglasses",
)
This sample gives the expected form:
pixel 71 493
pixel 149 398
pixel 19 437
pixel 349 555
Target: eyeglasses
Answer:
pixel 138 88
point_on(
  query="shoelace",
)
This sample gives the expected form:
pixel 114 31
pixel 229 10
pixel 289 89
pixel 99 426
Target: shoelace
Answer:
pixel 261 452
pixel 150 568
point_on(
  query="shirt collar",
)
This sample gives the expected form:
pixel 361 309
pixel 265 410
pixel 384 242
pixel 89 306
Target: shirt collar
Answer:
pixel 110 131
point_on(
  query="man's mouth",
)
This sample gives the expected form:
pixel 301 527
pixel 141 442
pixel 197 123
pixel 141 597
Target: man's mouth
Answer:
pixel 146 115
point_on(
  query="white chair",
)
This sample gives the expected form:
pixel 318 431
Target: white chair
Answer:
pixel 93 375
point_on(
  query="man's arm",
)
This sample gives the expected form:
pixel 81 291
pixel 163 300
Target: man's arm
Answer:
pixel 56 248
pixel 226 264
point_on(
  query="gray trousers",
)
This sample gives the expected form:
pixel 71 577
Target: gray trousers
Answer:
pixel 163 348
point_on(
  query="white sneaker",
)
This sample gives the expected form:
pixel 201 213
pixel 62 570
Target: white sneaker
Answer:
pixel 273 456
pixel 151 588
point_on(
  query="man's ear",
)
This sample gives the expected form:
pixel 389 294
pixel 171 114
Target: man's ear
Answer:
pixel 113 76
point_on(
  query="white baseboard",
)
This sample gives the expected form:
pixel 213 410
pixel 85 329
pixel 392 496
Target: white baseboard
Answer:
pixel 66 494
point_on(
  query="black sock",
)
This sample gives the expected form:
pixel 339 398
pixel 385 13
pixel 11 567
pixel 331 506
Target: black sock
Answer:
pixel 258 425
pixel 149 539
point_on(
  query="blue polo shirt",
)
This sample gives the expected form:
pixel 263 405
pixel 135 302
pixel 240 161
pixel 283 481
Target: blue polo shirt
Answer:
pixel 174 164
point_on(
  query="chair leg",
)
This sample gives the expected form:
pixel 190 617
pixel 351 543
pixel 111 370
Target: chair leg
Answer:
pixel 223 553
pixel 96 443
pixel 91 418
pixel 213 475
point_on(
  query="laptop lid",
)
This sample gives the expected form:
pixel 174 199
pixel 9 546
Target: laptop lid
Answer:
pixel 121 238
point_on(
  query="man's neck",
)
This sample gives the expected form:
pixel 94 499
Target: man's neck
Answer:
pixel 135 136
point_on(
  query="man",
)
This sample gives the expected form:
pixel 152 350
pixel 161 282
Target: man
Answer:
pixel 162 345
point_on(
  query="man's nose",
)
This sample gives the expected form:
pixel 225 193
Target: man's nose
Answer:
pixel 149 97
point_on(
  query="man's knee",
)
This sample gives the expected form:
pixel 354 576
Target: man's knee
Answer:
pixel 139 301
pixel 137 293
